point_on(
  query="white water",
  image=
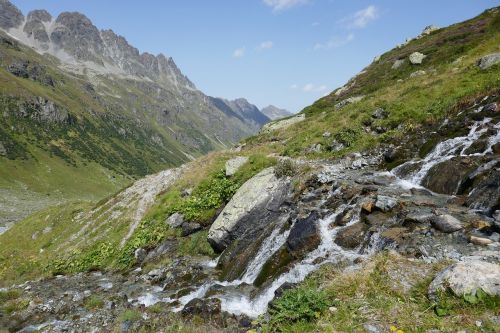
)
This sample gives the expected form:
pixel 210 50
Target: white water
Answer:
pixel 450 148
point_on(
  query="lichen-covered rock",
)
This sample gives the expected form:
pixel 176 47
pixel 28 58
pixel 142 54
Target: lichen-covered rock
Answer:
pixel 260 194
pixel 488 60
pixel 416 58
pixel 189 228
pixel 233 165
pixel 379 113
pixel 467 277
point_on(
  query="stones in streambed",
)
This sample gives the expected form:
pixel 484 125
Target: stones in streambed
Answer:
pixel 352 236
pixel 256 199
pixel 446 223
pixel 482 241
pixel 385 203
pixel 466 278
pixel 304 236
pixel 207 309
pixel 234 164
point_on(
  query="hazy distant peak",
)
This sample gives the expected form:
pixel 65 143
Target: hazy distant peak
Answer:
pixel 274 112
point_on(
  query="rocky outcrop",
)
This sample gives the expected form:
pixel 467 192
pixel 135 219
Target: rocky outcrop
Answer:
pixel 45 111
pixel 488 61
pixel 10 16
pixel 347 101
pixel 467 277
pixel 283 123
pixel 257 198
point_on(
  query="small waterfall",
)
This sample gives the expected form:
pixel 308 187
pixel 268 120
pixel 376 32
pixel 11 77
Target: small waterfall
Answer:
pixel 450 148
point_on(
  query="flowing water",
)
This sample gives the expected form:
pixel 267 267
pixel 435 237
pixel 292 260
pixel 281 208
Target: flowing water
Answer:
pixel 450 148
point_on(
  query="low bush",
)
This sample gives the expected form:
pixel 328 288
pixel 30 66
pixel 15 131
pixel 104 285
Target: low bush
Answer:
pixel 285 168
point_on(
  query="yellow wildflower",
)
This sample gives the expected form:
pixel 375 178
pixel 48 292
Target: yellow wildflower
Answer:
pixel 400 331
pixel 393 328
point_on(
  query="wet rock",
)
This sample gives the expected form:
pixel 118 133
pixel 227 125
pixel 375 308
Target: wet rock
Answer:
pixel 379 113
pixel 417 219
pixel 140 254
pixel 284 287
pixel 446 223
pixel 175 220
pixel 207 309
pixel 488 60
pixel 446 177
pixel 233 165
pixel 416 58
pixel 467 277
pixel 385 203
pixel 189 228
pixel 352 236
pixel 304 236
pixel 260 196
pixel 484 194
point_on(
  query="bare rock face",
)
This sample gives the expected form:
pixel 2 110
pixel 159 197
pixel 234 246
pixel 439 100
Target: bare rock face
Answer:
pixel 467 277
pixel 10 16
pixel 35 28
pixel 262 193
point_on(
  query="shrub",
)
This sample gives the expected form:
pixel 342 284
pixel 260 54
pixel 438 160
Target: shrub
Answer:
pixel 285 168
pixel 305 303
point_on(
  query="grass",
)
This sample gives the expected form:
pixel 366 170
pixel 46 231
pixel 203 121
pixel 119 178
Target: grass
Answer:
pixel 411 103
pixel 389 291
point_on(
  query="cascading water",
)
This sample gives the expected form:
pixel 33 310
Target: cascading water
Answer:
pixel 450 148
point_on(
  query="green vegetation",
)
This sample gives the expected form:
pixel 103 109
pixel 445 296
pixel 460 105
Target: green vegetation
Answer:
pixel 93 302
pixel 389 292
pixel 285 168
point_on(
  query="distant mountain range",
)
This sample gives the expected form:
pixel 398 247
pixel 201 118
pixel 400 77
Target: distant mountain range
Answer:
pixel 85 99
pixel 273 113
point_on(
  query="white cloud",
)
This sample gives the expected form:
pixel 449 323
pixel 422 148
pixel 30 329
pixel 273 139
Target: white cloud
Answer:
pixel 238 53
pixel 311 87
pixel 279 5
pixel 361 18
pixel 334 42
pixel 266 45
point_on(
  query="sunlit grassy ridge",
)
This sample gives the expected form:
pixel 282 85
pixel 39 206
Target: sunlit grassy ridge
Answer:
pixel 452 78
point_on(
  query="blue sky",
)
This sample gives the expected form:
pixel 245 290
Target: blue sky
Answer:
pixel 283 52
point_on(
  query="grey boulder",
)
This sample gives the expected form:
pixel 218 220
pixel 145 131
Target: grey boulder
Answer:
pixel 446 223
pixel 175 220
pixel 467 277
pixel 416 58
pixel 489 60
pixel 234 164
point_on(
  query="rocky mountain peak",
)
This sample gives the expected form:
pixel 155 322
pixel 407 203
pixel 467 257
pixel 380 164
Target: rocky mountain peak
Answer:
pixel 39 15
pixel 10 16
pixel 274 112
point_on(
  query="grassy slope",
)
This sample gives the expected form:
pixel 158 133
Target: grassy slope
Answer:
pixel 452 76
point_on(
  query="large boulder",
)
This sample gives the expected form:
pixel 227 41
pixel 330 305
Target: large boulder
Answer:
pixel 467 277
pixel 446 223
pixel 446 177
pixel 256 199
pixel 175 220
pixel 416 58
pixel 484 194
pixel 352 236
pixel 488 60
pixel 233 165
pixel 304 236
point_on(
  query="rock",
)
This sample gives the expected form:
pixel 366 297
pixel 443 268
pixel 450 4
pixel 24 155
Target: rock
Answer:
pixel 418 73
pixel 282 123
pixel 315 148
pixel 327 134
pixel 207 309
pixel 186 192
pixel 417 218
pixel 379 113
pixel 485 191
pixel 260 195
pixel 370 328
pixel 416 58
pixel 336 146
pixel 234 164
pixel 3 150
pixel 140 254
pixel 352 236
pixel 284 287
pixel 398 63
pixel 467 277
pixel 333 309
pixel 429 29
pixel 348 101
pixel 10 15
pixel 304 236
pixel 446 223
pixel 480 240
pixel 385 203
pixel 189 228
pixel 175 220
pixel 488 60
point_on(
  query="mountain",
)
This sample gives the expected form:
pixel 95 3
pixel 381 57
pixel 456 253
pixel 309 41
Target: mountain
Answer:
pixel 79 101
pixel 274 113
pixel 376 209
